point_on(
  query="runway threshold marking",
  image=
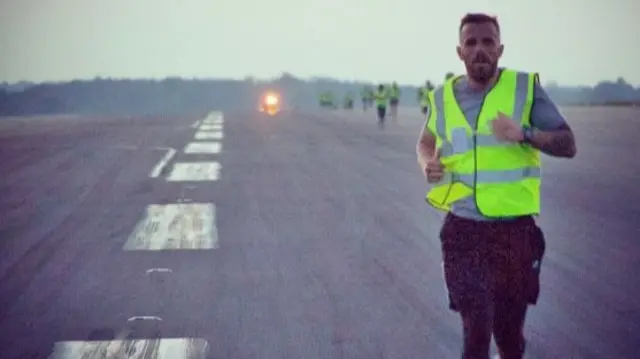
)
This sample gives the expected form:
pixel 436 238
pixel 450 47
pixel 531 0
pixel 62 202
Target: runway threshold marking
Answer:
pixel 205 135
pixel 214 116
pixel 203 147
pixel 176 226
pixel 212 122
pixel 212 127
pixel 194 171
pixel 155 172
pixel 157 348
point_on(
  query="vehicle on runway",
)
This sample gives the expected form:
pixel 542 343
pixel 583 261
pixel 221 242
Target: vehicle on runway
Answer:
pixel 270 103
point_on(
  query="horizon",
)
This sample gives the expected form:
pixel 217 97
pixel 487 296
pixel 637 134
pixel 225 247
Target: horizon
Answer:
pixel 63 40
pixel 306 79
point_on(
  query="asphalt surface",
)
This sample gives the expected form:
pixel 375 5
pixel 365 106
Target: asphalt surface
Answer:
pixel 325 246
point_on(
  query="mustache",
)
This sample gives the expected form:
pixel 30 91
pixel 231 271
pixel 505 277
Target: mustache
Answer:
pixel 481 59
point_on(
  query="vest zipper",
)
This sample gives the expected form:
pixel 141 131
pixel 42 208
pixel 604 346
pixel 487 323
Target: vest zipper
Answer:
pixel 475 145
pixel 475 156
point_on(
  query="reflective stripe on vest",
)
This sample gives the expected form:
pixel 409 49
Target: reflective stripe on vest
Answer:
pixel 495 176
pixel 522 81
pixel 505 177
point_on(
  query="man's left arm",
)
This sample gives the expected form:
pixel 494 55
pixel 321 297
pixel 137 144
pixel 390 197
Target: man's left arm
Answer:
pixel 552 134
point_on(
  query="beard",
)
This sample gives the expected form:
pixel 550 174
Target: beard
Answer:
pixel 481 71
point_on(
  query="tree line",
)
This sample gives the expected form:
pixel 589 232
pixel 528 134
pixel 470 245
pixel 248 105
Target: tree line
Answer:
pixel 178 96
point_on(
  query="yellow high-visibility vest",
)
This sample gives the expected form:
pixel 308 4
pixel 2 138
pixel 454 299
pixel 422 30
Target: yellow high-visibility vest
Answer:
pixel 424 99
pixel 505 177
pixel 381 97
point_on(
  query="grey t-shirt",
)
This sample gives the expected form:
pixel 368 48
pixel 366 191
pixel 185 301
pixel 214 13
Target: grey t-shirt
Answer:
pixel 545 116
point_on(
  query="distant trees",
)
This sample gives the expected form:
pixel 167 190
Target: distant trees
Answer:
pixel 105 96
pixel 448 75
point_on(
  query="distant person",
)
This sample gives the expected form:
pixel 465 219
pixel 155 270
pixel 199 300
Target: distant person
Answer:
pixel 423 97
pixel 367 97
pixel 348 101
pixel 394 99
pixel 381 98
pixel 327 100
pixel 490 127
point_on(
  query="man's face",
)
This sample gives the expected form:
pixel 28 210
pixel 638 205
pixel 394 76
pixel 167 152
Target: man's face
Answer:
pixel 480 49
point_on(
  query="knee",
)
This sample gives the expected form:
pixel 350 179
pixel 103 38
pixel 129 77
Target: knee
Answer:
pixel 510 341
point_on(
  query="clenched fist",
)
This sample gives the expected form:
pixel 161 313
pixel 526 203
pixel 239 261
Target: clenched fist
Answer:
pixel 506 129
pixel 434 170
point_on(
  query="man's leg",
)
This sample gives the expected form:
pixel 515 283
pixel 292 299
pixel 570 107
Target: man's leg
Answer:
pixel 382 111
pixel 508 328
pixel 464 249
pixel 394 110
pixel 513 262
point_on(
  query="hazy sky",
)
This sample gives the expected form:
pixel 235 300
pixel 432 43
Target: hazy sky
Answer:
pixel 569 41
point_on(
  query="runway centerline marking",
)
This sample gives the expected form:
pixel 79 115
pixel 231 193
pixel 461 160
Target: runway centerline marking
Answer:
pixel 195 171
pixel 175 226
pixel 155 172
pixel 204 135
pixel 203 147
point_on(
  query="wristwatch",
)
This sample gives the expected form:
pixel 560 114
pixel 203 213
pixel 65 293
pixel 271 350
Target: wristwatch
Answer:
pixel 527 135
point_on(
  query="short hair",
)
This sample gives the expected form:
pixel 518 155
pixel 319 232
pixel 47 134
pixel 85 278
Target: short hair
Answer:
pixel 479 18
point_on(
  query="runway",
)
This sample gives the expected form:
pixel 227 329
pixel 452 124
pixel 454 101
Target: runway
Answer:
pixel 300 235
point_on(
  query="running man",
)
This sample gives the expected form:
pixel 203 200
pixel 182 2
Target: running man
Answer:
pixel 348 101
pixel 394 98
pixel 381 97
pixel 480 148
pixel 423 97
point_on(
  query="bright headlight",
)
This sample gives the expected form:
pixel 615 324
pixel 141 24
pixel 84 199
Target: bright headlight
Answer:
pixel 271 100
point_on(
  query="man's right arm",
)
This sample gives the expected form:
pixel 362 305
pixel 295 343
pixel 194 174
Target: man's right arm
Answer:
pixel 426 146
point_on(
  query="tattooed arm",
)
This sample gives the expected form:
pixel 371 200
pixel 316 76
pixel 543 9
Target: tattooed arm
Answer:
pixel 552 134
pixel 558 143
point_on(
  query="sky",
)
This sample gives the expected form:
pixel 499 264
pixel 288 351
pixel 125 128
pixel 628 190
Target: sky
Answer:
pixel 572 42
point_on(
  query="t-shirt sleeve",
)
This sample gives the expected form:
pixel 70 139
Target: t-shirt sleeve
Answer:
pixel 545 115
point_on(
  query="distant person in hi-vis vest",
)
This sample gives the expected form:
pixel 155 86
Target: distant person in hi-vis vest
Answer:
pixel 480 149
pixel 381 96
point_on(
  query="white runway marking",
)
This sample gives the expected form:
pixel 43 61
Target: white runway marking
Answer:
pixel 155 172
pixel 212 122
pixel 170 348
pixel 175 226
pixel 214 117
pixel 144 318
pixel 196 124
pixel 203 147
pixel 159 270
pixel 201 135
pixel 195 171
pixel 212 127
